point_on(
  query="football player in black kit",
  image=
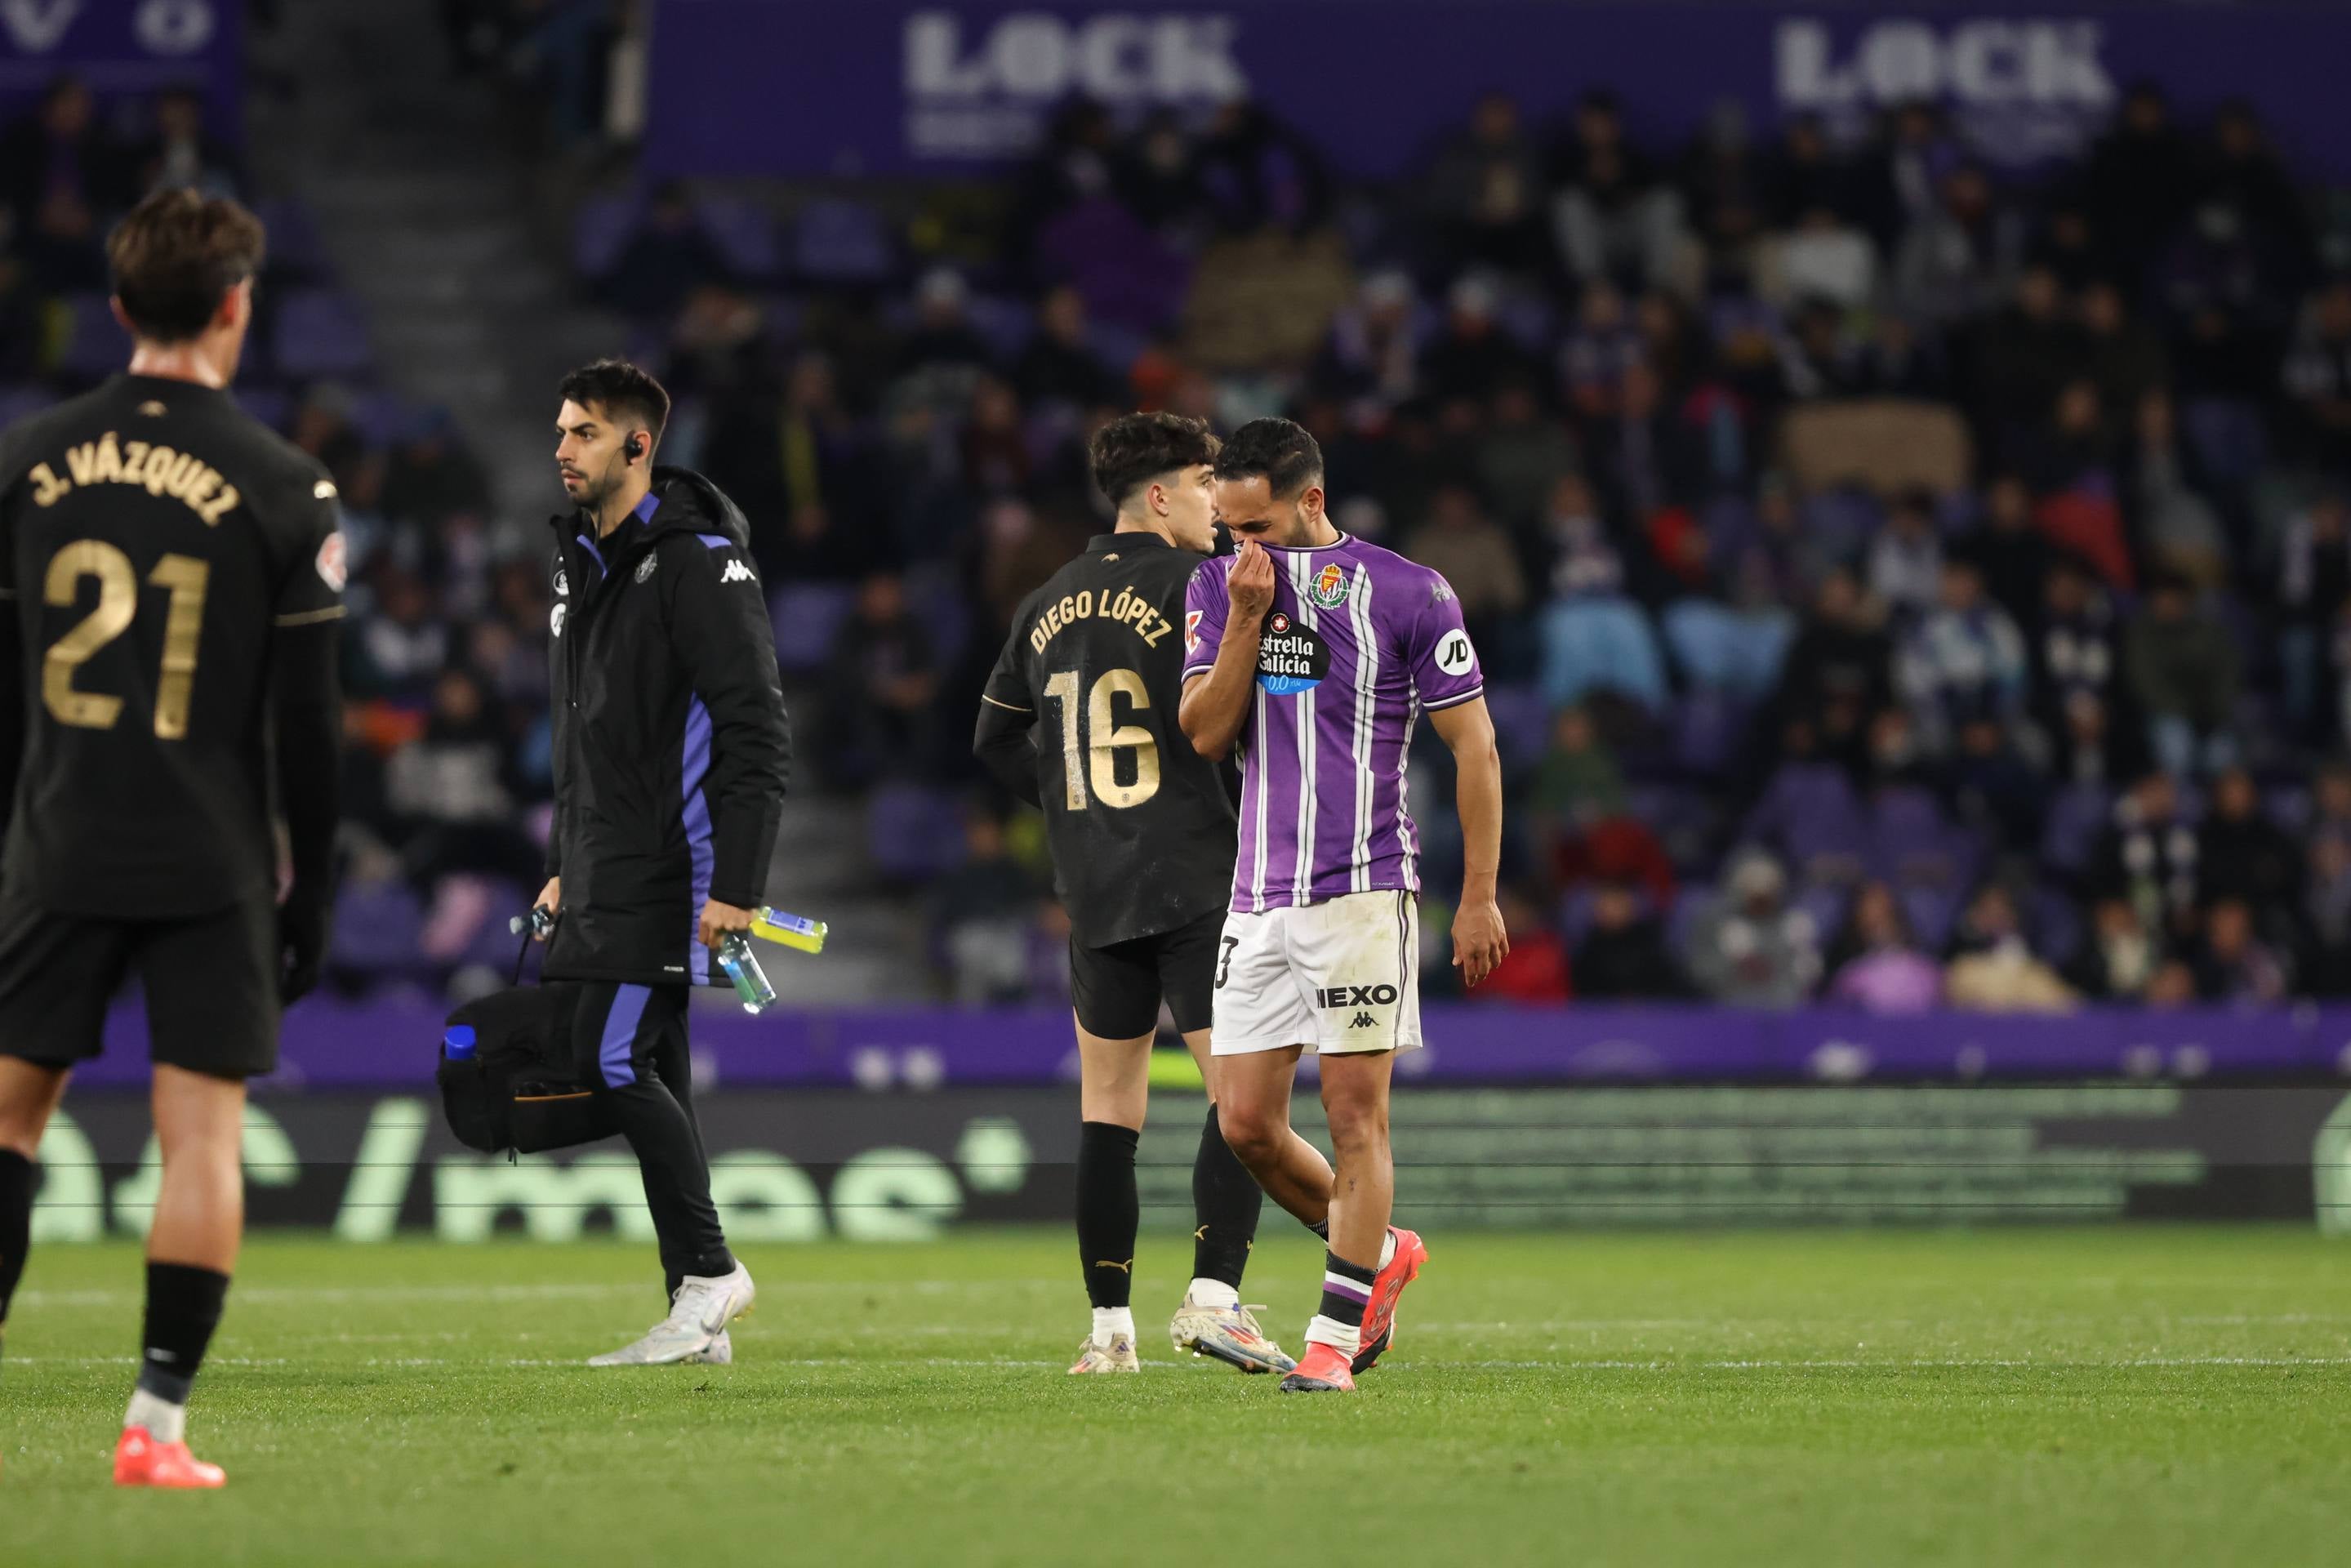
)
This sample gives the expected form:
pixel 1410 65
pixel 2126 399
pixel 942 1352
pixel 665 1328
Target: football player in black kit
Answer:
pixel 1078 717
pixel 171 577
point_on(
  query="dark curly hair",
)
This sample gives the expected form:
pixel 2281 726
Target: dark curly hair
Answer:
pixel 1133 449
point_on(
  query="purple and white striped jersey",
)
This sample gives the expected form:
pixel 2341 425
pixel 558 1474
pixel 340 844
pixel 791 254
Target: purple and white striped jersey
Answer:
pixel 1358 642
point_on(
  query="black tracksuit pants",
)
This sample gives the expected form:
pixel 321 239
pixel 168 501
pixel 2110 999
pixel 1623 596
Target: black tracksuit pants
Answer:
pixel 631 1040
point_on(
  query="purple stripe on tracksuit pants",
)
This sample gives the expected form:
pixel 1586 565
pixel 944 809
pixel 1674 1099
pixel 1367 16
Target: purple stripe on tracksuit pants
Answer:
pixel 631 1040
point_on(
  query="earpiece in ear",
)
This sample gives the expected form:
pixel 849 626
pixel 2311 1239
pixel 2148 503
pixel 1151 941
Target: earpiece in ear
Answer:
pixel 635 448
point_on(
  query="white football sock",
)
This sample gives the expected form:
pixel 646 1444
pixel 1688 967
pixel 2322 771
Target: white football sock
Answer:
pixel 1111 1322
pixel 1213 1293
pixel 1388 1250
pixel 1345 1338
pixel 165 1422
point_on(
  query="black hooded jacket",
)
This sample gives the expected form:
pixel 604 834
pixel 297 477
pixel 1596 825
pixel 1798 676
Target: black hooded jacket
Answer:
pixel 671 742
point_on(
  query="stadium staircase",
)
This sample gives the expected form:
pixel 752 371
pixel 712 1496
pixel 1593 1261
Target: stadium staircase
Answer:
pixel 429 215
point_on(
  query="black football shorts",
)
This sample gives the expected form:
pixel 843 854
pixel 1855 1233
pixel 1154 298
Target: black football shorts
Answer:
pixel 210 981
pixel 1118 988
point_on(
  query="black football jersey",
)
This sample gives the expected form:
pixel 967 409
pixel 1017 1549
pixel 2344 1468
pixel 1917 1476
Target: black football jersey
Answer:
pixel 153 538
pixel 1141 826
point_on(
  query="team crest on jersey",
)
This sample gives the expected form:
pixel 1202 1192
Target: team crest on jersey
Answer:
pixel 1330 586
pixel 645 568
pixel 1191 631
pixel 1289 658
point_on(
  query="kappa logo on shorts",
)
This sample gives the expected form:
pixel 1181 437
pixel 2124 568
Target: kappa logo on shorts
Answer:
pixel 1365 1020
pixel 1356 996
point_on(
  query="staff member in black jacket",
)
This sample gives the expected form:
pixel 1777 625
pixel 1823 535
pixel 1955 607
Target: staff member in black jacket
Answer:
pixel 671 750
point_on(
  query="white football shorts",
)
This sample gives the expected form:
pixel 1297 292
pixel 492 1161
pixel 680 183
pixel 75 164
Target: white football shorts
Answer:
pixel 1336 978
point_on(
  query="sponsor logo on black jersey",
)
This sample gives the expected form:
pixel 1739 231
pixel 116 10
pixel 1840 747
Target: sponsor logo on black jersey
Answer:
pixel 1289 658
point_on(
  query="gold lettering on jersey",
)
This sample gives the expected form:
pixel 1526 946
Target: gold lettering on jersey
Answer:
pixel 157 470
pixel 1126 608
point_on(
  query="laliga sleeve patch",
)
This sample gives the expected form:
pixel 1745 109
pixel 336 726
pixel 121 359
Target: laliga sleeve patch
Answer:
pixel 1192 631
pixel 334 567
pixel 1454 654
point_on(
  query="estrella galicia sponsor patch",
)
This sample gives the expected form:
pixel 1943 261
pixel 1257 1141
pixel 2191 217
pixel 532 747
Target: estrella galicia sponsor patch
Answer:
pixel 1289 658
pixel 1330 586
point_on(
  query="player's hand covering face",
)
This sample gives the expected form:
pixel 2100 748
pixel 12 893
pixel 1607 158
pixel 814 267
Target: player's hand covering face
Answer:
pixel 1251 582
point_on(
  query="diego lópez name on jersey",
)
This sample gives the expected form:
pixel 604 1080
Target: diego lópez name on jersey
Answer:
pixel 1141 825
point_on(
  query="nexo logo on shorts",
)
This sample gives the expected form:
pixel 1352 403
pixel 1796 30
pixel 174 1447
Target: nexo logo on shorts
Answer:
pixel 1356 997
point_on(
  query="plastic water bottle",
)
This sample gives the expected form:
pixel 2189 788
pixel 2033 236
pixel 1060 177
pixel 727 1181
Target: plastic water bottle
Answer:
pixel 792 930
pixel 742 966
pixel 457 1045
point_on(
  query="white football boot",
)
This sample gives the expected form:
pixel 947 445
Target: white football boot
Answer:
pixel 696 1322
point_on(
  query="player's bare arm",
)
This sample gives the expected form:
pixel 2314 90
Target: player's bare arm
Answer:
pixel 1216 705
pixel 1479 942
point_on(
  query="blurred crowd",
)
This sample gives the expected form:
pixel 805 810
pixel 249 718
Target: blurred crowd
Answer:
pixel 1898 581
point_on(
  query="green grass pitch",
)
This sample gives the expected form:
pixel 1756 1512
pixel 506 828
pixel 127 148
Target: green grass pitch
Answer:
pixel 2132 1395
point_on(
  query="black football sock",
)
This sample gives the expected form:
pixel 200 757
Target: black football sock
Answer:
pixel 1109 1213
pixel 1321 1228
pixel 183 1307
pixel 1346 1290
pixel 18 1177
pixel 1225 1201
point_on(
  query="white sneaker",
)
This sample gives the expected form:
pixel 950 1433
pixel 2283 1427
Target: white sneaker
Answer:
pixel 720 1353
pixel 1118 1355
pixel 697 1317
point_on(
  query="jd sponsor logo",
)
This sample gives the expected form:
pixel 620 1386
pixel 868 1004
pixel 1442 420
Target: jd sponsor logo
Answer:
pixel 1289 658
pixel 1356 997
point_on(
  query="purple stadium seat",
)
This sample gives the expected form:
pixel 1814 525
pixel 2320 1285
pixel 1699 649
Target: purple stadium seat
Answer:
pixel 1529 322
pixel 912 833
pixel 2070 834
pixel 1007 323
pixel 1708 729
pixel 1827 903
pixel 295 248
pixel 1126 273
pixel 1681 920
pixel 378 926
pixel 1841 520
pixel 842 242
pixel 1573 918
pixel 1932 911
pixel 270 405
pixel 95 344
pixel 1809 812
pixel 745 234
pixel 1521 724
pixel 2054 923
pixel 600 232
pixel 1910 840
pixel 806 616
pixel 320 333
pixel 1116 345
pixel 23 403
